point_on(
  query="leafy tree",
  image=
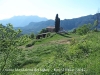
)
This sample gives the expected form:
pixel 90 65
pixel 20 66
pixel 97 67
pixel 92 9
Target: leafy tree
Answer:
pixel 23 39
pixel 8 46
pixel 48 34
pixel 32 36
pixel 74 31
pixel 84 29
pixel 43 31
pixel 57 23
pixel 96 23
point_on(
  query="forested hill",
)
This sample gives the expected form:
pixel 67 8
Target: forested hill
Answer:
pixel 74 23
pixel 36 27
pixel 67 24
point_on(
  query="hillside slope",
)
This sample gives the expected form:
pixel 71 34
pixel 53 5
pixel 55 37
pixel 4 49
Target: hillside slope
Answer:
pixel 52 56
pixel 36 27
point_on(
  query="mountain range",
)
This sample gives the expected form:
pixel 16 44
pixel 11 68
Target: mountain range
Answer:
pixel 35 24
pixel 21 21
pixel 67 24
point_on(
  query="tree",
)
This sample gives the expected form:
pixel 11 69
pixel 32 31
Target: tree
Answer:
pixel 32 36
pixel 74 31
pixel 96 23
pixel 84 29
pixel 57 23
pixel 43 31
pixel 8 47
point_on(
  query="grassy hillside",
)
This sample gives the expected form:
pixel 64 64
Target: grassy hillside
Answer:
pixel 60 54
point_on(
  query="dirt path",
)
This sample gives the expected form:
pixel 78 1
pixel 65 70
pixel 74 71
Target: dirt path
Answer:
pixel 64 41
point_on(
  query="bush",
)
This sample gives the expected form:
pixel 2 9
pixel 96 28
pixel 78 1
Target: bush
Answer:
pixel 84 29
pixel 33 42
pixel 48 34
pixel 43 31
pixel 30 44
pixel 74 31
pixel 32 36
pixel 52 35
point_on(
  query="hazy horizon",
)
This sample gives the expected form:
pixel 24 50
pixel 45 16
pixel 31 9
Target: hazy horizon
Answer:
pixel 45 17
pixel 67 9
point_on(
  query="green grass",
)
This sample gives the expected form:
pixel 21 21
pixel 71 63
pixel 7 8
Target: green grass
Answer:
pixel 80 57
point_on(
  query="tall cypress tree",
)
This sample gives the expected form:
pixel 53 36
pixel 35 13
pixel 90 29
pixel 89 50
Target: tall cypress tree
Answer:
pixel 57 23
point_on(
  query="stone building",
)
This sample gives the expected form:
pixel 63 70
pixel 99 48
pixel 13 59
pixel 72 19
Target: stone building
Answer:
pixel 50 29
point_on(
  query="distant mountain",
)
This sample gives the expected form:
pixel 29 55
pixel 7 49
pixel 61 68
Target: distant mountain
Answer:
pixel 36 26
pixel 21 21
pixel 67 24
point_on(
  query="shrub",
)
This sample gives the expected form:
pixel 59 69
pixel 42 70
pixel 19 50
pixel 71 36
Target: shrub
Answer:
pixel 84 29
pixel 43 31
pixel 74 31
pixel 30 44
pixel 32 36
pixel 48 34
pixel 33 42
pixel 52 35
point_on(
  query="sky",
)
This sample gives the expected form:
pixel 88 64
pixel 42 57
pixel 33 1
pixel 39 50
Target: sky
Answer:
pixel 67 9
